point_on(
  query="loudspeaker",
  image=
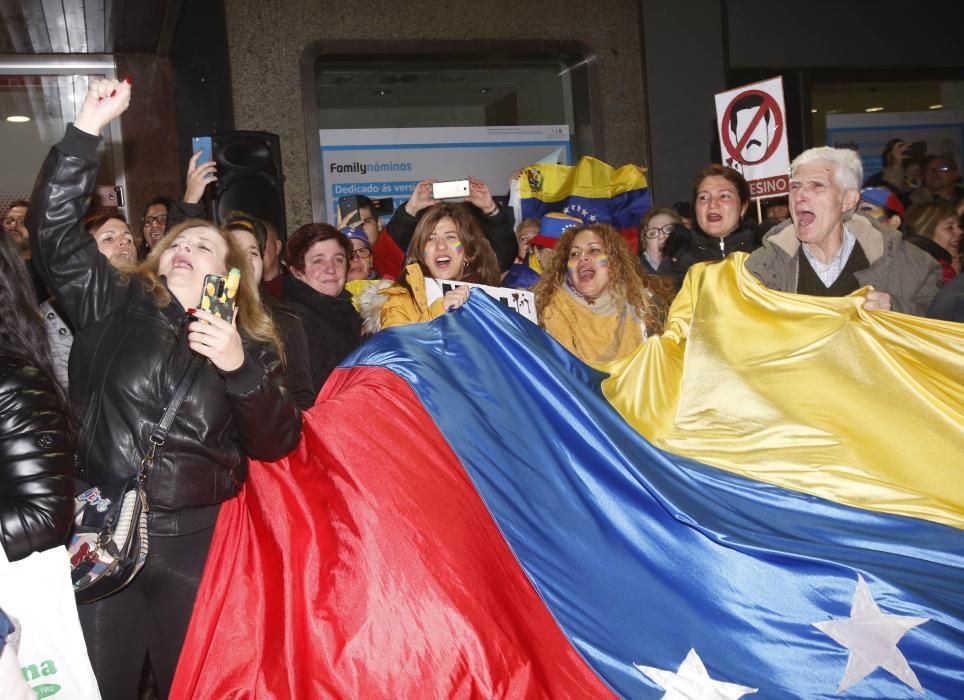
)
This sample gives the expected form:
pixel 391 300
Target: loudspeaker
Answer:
pixel 250 178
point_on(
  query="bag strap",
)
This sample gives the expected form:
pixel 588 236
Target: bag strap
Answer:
pixel 159 434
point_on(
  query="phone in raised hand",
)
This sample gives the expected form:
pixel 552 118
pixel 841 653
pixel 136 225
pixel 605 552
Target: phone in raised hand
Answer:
pixel 451 189
pixel 202 144
pixel 220 294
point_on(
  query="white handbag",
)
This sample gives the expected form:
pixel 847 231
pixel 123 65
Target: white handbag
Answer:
pixel 38 597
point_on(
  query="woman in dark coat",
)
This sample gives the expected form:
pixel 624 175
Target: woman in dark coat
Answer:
pixel 318 257
pixel 720 199
pixel 36 439
pixel 137 334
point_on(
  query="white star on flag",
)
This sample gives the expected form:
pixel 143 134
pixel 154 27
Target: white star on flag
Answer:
pixel 871 636
pixel 692 682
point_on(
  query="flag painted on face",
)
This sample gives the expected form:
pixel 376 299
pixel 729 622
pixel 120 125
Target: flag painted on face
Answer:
pixel 591 190
pixel 494 528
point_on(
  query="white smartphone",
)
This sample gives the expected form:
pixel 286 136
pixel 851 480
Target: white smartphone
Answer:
pixel 452 189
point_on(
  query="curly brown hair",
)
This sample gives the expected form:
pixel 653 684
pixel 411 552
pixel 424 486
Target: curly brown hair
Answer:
pixel 481 264
pixel 626 278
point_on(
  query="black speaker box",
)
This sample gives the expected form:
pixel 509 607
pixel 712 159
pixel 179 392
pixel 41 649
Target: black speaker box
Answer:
pixel 250 178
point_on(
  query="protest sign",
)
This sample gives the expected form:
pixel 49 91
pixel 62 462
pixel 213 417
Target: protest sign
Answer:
pixel 519 300
pixel 752 125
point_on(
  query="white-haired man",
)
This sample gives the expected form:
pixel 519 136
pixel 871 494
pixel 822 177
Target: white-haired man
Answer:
pixel 824 250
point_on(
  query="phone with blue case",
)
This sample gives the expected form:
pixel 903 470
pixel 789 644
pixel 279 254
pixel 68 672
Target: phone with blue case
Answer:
pixel 202 144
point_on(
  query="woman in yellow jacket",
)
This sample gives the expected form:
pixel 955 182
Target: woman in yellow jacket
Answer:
pixel 448 244
pixel 593 298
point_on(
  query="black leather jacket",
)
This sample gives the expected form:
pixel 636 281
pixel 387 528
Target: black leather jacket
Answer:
pixel 36 460
pixel 129 354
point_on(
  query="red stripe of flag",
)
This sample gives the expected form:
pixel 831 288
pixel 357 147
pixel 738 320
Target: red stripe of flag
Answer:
pixel 364 565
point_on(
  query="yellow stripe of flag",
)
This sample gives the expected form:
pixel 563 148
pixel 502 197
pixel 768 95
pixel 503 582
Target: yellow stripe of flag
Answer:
pixel 813 394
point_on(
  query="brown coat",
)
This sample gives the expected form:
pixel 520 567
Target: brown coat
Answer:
pixel 908 274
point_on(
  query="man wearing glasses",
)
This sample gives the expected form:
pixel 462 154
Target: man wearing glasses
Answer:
pixel 940 175
pixel 13 226
pixel 154 222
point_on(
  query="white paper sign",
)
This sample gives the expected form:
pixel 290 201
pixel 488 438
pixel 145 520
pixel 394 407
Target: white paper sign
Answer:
pixel 519 300
pixel 751 121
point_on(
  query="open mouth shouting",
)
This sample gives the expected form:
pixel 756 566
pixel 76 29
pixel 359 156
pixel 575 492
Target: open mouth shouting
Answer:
pixel 181 262
pixel 444 252
pixel 805 218
pixel 585 272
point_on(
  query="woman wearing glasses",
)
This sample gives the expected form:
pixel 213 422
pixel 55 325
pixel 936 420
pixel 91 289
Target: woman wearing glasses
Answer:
pixel 655 230
pixel 360 264
pixel 318 257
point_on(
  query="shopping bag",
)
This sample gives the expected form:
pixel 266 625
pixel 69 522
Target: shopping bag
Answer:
pixel 36 593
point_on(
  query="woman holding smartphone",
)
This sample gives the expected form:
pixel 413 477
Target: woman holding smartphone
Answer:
pixel 136 335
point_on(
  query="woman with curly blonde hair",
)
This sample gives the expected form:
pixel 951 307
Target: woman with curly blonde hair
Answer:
pixel 592 298
pixel 139 342
pixel 253 320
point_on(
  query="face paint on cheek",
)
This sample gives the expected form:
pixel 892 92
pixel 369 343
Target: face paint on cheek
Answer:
pixel 603 261
pixel 458 247
pixel 570 272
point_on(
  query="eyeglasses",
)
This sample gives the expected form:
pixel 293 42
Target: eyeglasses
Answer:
pixel 940 169
pixel 159 220
pixel 361 253
pixel 368 220
pixel 12 221
pixel 659 232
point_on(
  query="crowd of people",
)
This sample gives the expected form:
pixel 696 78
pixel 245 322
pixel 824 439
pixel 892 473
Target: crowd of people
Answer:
pixel 102 322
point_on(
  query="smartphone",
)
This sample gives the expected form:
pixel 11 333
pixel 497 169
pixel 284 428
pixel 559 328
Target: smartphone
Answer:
pixel 347 205
pixel 202 144
pixel 109 196
pixel 916 150
pixel 450 190
pixel 220 294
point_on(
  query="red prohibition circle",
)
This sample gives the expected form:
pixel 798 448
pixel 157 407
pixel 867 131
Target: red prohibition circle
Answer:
pixel 768 104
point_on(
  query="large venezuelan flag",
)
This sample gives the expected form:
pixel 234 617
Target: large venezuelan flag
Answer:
pixel 468 516
pixel 591 189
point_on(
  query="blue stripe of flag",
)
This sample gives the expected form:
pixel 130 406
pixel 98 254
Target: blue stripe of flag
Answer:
pixel 641 555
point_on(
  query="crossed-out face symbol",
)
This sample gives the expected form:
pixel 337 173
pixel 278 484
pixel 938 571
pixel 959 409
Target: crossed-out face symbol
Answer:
pixel 752 129
pixel 755 138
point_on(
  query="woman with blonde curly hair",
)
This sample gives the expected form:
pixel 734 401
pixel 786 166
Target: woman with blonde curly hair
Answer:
pixel 448 244
pixel 137 338
pixel 592 298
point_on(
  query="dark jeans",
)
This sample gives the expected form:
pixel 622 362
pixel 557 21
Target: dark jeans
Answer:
pixel 146 619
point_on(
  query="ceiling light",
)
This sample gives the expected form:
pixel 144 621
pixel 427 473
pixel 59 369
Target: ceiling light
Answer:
pixel 381 92
pixel 813 111
pixel 874 109
pixel 485 91
pixel 18 118
pixel 936 107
